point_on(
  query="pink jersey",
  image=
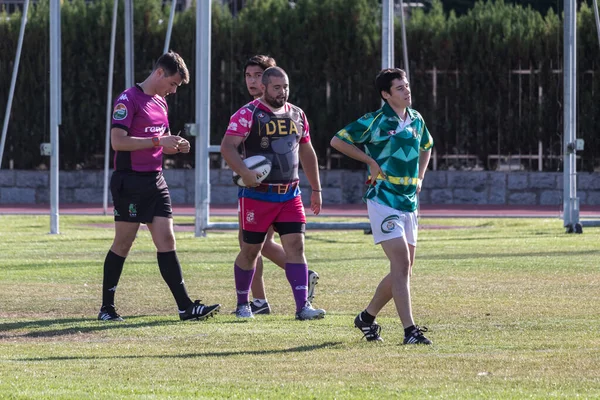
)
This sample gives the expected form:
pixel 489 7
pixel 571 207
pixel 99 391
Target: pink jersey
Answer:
pixel 141 115
pixel 241 122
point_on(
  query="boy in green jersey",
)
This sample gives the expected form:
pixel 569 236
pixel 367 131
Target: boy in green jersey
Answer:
pixel 397 148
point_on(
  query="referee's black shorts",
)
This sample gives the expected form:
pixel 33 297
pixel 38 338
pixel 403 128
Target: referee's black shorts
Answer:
pixel 140 196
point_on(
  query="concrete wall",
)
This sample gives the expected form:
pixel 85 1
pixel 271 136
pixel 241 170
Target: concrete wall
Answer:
pixel 339 187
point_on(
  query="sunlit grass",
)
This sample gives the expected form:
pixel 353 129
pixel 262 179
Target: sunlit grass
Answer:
pixel 512 306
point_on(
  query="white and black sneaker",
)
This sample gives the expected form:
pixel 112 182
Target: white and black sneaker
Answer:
pixel 199 311
pixel 371 332
pixel 244 311
pixel 260 308
pixel 109 313
pixel 313 279
pixel 308 312
pixel 417 337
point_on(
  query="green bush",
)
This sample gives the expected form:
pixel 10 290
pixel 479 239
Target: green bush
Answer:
pixel 332 50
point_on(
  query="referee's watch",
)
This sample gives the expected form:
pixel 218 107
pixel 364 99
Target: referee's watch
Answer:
pixel 156 141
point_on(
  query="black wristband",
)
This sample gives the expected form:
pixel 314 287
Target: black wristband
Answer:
pixel 315 190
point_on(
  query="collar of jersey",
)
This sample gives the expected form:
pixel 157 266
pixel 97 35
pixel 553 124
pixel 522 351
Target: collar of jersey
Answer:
pixel 389 112
pixel 259 104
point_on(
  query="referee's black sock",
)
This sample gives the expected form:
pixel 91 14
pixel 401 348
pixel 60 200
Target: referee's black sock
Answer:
pixel 113 266
pixel 367 318
pixel 170 269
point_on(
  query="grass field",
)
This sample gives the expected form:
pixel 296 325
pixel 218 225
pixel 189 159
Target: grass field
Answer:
pixel 512 306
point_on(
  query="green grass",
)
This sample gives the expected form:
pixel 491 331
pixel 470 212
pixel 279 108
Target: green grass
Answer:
pixel 512 305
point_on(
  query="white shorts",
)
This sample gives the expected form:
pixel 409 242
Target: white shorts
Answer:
pixel 388 223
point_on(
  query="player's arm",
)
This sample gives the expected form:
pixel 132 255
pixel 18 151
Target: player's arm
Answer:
pixel 310 165
pixel 424 156
pixel 122 142
pixel 229 146
pixel 352 151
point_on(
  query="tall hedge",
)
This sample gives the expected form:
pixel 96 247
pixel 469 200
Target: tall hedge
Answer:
pixel 332 51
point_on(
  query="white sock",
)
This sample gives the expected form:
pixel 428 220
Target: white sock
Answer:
pixel 259 302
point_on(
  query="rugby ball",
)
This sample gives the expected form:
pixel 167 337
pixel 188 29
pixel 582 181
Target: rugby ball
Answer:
pixel 259 164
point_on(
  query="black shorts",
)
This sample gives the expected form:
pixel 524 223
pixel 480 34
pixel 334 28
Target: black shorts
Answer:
pixel 140 196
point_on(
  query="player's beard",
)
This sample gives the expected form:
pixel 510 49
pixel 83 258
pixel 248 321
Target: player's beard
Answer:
pixel 275 102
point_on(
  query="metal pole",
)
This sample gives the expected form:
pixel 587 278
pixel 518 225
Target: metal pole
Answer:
pixel 202 172
pixel 59 68
pixel 170 26
pixel 128 15
pixel 404 44
pixel 54 111
pixel 570 200
pixel 13 80
pixel 597 17
pixel 111 69
pixel 387 34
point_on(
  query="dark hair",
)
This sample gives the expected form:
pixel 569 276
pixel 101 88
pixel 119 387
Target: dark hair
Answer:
pixel 172 63
pixel 261 61
pixel 272 71
pixel 383 81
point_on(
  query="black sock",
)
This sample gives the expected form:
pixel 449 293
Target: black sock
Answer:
pixel 408 331
pixel 170 269
pixel 366 317
pixel 113 266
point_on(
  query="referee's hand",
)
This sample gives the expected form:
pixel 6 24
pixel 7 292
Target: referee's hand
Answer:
pixel 183 146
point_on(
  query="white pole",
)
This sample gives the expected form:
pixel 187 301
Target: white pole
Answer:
pixel 570 200
pixel 170 26
pixel 111 69
pixel 540 154
pixel 13 80
pixel 54 111
pixel 202 172
pixel 404 44
pixel 387 34
pixel 597 17
pixel 128 16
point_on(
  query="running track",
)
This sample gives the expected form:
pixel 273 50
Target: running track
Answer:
pixel 341 210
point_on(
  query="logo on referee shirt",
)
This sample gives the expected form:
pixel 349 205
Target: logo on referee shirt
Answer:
pixel 120 112
pixel 389 224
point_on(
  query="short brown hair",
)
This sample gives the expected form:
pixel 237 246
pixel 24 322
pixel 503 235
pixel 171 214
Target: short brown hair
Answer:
pixel 261 61
pixel 384 79
pixel 172 63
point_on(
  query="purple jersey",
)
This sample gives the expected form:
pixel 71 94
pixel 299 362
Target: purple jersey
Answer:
pixel 141 115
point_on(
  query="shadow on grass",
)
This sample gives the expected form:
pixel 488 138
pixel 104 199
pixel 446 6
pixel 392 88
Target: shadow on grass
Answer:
pixel 298 349
pixel 91 326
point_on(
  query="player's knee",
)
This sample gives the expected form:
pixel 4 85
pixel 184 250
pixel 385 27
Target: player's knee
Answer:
pixel 270 247
pixel 295 248
pixel 250 252
pixel 121 247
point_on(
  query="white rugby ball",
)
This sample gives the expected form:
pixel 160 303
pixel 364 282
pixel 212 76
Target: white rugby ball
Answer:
pixel 260 164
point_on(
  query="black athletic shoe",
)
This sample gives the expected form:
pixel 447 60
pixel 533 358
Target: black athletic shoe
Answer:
pixel 371 332
pixel 264 309
pixel 417 337
pixel 109 313
pixel 199 311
